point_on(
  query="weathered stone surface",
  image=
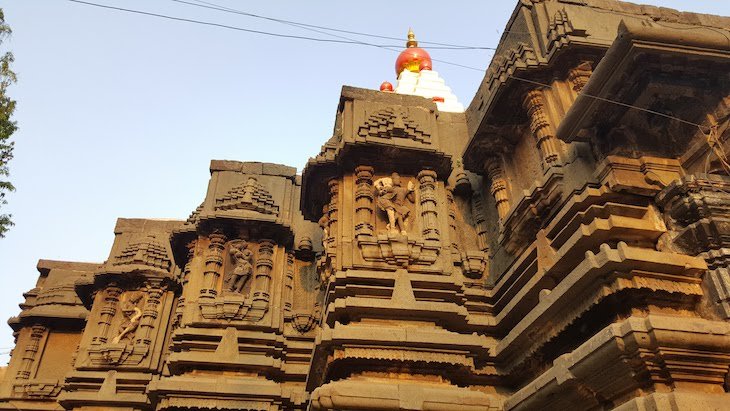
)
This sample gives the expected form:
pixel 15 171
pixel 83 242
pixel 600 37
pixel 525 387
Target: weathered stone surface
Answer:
pixel 564 244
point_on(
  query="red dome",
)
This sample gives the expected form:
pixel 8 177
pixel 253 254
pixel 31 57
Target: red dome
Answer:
pixel 386 86
pixel 411 59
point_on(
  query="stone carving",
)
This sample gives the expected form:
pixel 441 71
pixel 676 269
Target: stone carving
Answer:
pixel 241 257
pixel 560 30
pixel 391 122
pixel 396 246
pixel 393 198
pixel 132 313
pixel 31 349
pixel 580 75
pixel 250 195
pixel 234 303
pixel 194 216
pixel 304 321
pixel 39 389
pixel 547 143
pixel 130 344
pixel 498 187
pixel 593 282
pixel 146 252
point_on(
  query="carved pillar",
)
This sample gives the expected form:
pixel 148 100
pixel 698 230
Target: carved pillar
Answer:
pixel 429 213
pixel 180 308
pixel 580 75
pixel 31 350
pixel 452 221
pixel 191 253
pixel 364 206
pixel 480 218
pixel 149 313
pixel 107 313
pixel 213 265
pixel 332 211
pixel 498 186
pixel 264 265
pixel 548 145
pixel 289 284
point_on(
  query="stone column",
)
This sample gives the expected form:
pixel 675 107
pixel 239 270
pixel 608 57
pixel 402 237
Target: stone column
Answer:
pixel 498 186
pixel 107 313
pixel 332 209
pixel 452 221
pixel 289 284
pixel 477 207
pixel 547 143
pixel 191 253
pixel 149 313
pixel 31 350
pixel 180 308
pixel 213 265
pixel 364 201
pixel 429 213
pixel 262 279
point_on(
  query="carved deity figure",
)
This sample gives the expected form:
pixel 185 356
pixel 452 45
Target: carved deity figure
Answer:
pixel 132 313
pixel 241 257
pixel 393 198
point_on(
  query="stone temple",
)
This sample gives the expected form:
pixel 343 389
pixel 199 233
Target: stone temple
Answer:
pixel 562 243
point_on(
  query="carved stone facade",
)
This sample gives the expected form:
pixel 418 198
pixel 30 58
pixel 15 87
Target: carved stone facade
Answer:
pixel 563 244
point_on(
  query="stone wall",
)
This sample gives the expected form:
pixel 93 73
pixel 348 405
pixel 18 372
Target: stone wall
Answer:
pixel 561 245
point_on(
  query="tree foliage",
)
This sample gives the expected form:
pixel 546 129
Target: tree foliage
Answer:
pixel 7 126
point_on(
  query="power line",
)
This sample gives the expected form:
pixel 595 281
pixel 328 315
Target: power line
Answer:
pixel 395 49
pixel 346 40
pixel 619 103
pixel 207 23
pixel 392 48
pixel 214 6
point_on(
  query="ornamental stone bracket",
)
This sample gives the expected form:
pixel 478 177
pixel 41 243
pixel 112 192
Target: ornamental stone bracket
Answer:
pixel 398 249
pixel 116 354
pixel 474 263
pixel 227 307
pixel 645 175
pixel 38 389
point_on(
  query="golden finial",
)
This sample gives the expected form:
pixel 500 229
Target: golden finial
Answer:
pixel 411 39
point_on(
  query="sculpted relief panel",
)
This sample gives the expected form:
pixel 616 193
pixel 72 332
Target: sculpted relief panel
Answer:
pixel 125 325
pixel 241 257
pixel 395 200
pixel 238 281
pixel 395 219
pixel 131 307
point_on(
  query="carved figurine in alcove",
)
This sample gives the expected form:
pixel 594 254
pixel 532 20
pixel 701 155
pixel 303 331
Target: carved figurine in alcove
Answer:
pixel 241 258
pixel 393 198
pixel 132 313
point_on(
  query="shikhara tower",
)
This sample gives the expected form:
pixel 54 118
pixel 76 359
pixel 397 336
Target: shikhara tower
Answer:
pixel 563 243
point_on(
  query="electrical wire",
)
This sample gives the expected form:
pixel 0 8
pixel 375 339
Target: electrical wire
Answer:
pixel 395 49
pixel 346 40
pixel 214 6
pixel 207 23
pixel 619 103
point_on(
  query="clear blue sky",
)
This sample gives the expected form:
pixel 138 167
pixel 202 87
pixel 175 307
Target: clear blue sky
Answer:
pixel 120 114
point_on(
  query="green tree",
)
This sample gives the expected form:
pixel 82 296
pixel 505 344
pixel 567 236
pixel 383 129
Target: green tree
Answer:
pixel 7 126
